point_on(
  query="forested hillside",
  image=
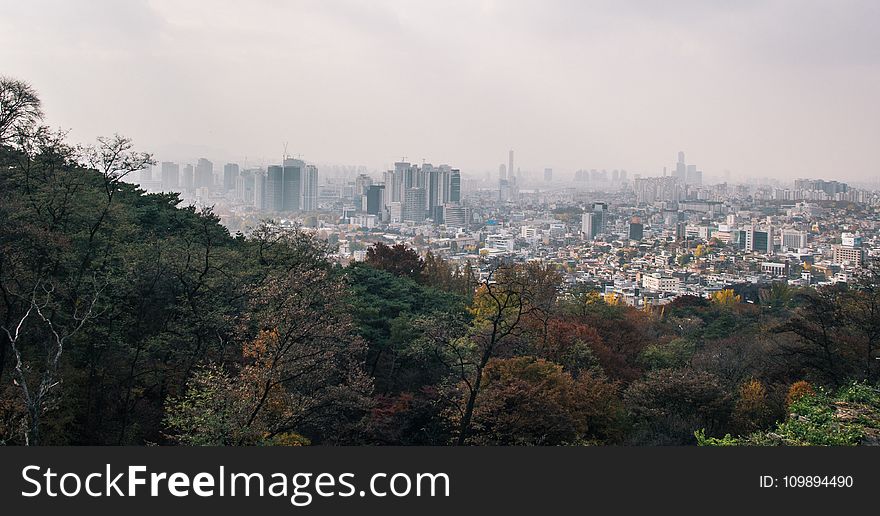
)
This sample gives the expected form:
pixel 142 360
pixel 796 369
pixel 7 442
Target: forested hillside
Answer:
pixel 128 318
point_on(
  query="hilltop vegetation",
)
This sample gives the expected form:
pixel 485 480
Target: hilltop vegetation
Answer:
pixel 850 416
pixel 130 319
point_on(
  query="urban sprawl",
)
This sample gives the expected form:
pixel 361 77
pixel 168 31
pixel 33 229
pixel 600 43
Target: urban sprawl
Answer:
pixel 636 239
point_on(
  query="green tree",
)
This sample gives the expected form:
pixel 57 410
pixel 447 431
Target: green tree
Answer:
pixel 398 259
pixel 529 401
pixel 668 405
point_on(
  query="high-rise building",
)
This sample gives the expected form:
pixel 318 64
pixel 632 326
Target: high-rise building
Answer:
pixel 455 185
pixel 600 218
pixel 292 179
pixel 395 212
pixel 434 181
pixel 260 187
pixel 681 168
pixel 375 199
pixel 414 205
pixel 684 173
pixel 273 199
pixel 146 175
pixel 510 169
pixel 503 190
pixel 204 177
pixel 440 185
pixel 652 189
pixel 548 175
pixel 310 189
pixel 402 178
pixel 361 183
pixel 170 176
pixel 392 188
pixel 587 226
pixel 284 186
pixel 244 186
pixel 187 182
pixel 828 187
pixel 230 173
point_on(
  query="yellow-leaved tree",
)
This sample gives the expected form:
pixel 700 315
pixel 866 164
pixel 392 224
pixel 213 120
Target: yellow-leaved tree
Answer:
pixel 726 298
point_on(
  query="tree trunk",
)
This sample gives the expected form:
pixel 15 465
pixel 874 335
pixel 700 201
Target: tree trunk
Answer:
pixel 32 435
pixel 469 410
pixel 4 344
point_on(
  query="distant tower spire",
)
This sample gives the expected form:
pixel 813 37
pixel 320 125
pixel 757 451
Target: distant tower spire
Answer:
pixel 510 163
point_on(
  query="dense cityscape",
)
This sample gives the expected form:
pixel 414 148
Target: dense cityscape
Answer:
pixel 462 223
pixel 642 239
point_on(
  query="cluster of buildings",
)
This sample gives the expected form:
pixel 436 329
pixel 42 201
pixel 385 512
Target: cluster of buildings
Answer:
pixel 290 186
pixel 646 240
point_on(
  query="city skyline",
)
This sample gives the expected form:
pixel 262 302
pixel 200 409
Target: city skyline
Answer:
pixel 567 85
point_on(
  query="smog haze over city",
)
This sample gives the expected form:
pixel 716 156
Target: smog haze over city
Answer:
pixel 765 89
pixel 442 223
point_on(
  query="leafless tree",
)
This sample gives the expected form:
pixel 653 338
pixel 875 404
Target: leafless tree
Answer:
pixel 41 317
pixel 20 107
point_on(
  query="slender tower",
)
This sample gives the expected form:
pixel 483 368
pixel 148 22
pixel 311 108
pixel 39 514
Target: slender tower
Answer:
pixel 510 169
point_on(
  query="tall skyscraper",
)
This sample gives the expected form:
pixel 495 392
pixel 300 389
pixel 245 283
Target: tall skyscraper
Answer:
pixel 440 185
pixel 292 179
pixel 375 201
pixel 510 169
pixel 600 218
pixel 503 190
pixel 230 173
pixel 260 197
pixel 310 189
pixel 401 179
pixel 146 174
pixel 390 185
pixel 170 176
pixel 273 198
pixel 434 181
pixel 548 175
pixel 361 182
pixel 204 174
pixel 187 182
pixel 244 186
pixel 587 226
pixel 437 180
pixel 681 168
pixel 455 185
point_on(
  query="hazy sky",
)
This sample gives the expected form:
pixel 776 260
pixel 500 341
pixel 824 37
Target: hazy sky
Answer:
pixel 780 88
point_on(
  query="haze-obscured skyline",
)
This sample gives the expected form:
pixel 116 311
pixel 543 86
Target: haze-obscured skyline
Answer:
pixel 780 89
